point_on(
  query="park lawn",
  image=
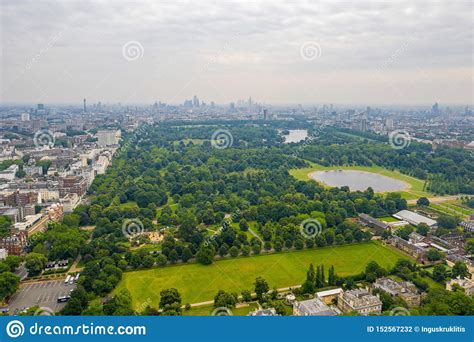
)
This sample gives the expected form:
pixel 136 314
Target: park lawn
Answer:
pixel 416 185
pixel 206 310
pixel 187 141
pixel 449 210
pixel 388 219
pixel 129 205
pixel 247 233
pixel 198 283
pixel 458 204
pixel 463 211
pixel 358 137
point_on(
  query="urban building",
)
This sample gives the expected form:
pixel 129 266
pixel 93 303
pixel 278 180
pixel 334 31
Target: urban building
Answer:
pixel 264 312
pixel 418 251
pixel 414 218
pixel 108 137
pixel 9 174
pixel 378 226
pixel 312 307
pixel 14 244
pixel 468 225
pixel 466 284
pixel 72 184
pixel 405 290
pixel 359 300
pixel 329 296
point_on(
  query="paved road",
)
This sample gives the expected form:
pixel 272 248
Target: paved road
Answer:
pixel 437 199
pixel 209 302
pixel 256 235
pixel 43 294
pixel 21 271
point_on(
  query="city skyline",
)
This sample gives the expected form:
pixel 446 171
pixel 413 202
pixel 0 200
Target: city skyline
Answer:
pixel 299 53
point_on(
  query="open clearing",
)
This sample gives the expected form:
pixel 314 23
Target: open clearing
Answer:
pixel 199 283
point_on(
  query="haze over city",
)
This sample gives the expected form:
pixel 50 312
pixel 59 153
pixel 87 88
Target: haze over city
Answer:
pixel 403 53
pixel 163 162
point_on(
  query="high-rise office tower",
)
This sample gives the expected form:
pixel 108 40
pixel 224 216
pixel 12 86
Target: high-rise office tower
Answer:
pixel 195 101
pixel 85 107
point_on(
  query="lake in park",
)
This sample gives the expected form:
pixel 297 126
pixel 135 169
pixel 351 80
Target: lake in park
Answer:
pixel 295 135
pixel 359 180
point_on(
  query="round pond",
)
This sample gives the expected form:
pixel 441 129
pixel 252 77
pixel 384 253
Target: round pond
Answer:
pixel 359 180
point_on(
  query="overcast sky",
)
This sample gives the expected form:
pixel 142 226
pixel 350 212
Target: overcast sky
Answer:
pixel 359 52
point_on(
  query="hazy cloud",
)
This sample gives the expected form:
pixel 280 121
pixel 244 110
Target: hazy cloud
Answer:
pixel 370 51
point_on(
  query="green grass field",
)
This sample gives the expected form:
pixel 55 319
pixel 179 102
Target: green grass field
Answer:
pixel 206 310
pixel 388 219
pixel 416 185
pixel 449 209
pixel 198 283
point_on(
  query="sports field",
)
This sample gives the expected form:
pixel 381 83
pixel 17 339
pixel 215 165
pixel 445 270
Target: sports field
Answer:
pixel 199 283
pixel 416 185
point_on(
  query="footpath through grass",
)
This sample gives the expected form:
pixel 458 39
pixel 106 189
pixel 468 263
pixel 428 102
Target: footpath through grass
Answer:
pixel 199 283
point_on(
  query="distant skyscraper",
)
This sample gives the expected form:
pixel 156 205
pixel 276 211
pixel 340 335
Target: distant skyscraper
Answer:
pixel 25 116
pixel 40 109
pixel 389 123
pixel 232 106
pixel 435 109
pixel 265 114
pixel 195 101
pixel 85 106
pixel 363 124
